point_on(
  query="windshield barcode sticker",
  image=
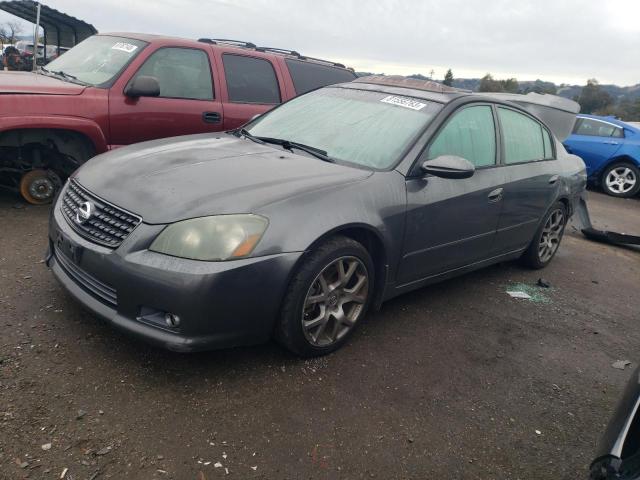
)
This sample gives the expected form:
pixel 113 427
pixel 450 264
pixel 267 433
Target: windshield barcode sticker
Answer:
pixel 404 102
pixel 125 47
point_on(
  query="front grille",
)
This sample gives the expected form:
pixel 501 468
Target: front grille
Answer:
pixel 100 290
pixel 107 225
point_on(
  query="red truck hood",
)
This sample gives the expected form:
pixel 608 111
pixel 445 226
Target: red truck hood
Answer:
pixel 33 83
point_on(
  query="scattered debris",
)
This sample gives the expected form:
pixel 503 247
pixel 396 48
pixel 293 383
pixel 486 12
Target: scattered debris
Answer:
pixel 224 455
pixel 519 294
pixel 81 413
pixel 621 364
pixel 543 283
pixel 533 293
pixel 217 465
pixel 254 468
pixel 46 446
pixel 538 432
pixel 64 472
pixel 104 451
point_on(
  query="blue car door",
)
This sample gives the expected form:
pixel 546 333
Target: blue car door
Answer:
pixel 595 141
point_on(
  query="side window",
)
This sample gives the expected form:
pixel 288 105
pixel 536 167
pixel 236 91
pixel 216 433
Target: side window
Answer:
pixel 470 134
pixel 181 73
pixel 250 80
pixel 523 137
pixel 548 149
pixel 308 76
pixel 618 133
pixel 594 128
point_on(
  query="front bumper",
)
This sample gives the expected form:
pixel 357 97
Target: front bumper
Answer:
pixel 220 304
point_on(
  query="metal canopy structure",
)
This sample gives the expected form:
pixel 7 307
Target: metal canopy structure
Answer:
pixel 59 28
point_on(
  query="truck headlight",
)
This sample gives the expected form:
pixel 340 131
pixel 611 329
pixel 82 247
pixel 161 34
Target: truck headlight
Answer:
pixel 216 238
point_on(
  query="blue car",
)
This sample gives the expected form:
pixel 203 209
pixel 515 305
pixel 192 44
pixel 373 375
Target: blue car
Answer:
pixel 611 150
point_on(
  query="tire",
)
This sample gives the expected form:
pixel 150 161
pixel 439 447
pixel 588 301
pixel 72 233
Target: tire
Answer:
pixel 621 179
pixel 327 297
pixel 547 239
pixel 38 187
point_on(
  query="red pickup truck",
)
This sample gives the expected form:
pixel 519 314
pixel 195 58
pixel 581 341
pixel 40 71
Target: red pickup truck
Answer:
pixel 117 89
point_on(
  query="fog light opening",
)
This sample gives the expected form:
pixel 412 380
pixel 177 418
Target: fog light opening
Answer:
pixel 172 320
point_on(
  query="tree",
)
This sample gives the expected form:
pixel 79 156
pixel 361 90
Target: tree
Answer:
pixel 488 84
pixel 448 78
pixel 9 32
pixel 510 85
pixel 593 98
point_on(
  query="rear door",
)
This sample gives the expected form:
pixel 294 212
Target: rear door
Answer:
pixel 532 178
pixel 187 103
pixel 595 142
pixel 452 223
pixel 252 85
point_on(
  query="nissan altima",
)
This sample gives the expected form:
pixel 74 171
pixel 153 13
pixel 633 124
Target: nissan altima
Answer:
pixel 296 225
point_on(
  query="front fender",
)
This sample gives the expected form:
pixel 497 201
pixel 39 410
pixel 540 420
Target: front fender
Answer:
pixel 86 127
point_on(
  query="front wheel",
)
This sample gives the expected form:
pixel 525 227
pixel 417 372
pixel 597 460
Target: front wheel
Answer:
pixel 621 180
pixel 547 239
pixel 39 186
pixel 327 297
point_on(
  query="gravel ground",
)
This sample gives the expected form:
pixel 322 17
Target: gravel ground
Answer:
pixel 457 380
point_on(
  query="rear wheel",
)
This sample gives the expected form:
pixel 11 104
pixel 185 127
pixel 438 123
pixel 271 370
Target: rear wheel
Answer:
pixel 39 186
pixel 327 297
pixel 621 180
pixel 547 239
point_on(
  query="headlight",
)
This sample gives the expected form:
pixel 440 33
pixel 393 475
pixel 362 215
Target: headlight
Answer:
pixel 223 237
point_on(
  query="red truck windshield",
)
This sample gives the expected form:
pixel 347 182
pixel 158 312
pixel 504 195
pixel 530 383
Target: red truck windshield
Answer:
pixel 98 60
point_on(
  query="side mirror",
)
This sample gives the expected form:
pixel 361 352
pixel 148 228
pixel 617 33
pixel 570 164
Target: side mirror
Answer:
pixel 143 86
pixel 449 166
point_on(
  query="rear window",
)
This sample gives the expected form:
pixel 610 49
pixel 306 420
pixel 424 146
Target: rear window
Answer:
pixel 309 76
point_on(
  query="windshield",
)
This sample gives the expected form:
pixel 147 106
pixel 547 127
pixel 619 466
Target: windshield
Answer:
pixel 98 59
pixel 367 128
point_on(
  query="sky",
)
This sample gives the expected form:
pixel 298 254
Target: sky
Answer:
pixel 563 41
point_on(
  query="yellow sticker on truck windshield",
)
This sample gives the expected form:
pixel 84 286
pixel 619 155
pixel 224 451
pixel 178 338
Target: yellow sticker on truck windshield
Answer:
pixel 404 102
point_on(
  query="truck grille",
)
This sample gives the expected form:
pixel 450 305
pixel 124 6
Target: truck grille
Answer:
pixel 107 224
pixel 100 290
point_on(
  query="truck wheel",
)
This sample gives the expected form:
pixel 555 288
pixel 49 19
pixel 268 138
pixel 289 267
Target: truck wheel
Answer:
pixel 39 186
pixel 621 180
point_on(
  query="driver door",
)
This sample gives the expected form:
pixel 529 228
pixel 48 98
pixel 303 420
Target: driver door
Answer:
pixel 186 104
pixel 452 223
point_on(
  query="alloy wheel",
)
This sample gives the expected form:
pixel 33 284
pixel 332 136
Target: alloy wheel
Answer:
pixel 621 180
pixel 551 235
pixel 335 301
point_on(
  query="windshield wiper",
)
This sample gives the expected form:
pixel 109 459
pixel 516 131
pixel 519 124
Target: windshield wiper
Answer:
pixel 65 75
pixel 289 145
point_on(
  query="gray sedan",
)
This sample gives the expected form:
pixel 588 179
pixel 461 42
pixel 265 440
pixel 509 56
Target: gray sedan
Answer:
pixel 294 226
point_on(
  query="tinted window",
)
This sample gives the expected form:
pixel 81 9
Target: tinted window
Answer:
pixel 181 73
pixel 309 76
pixel 522 136
pixel 470 134
pixel 250 80
pixel 594 128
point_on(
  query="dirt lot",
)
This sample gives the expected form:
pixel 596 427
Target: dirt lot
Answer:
pixel 457 380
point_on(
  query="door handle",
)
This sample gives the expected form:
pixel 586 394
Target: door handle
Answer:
pixel 211 117
pixel 610 143
pixel 495 195
pixel 554 179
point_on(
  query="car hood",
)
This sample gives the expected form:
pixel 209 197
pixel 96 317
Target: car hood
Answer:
pixel 167 180
pixel 34 83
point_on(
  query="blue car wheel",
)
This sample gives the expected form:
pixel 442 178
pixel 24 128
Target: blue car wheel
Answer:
pixel 621 180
